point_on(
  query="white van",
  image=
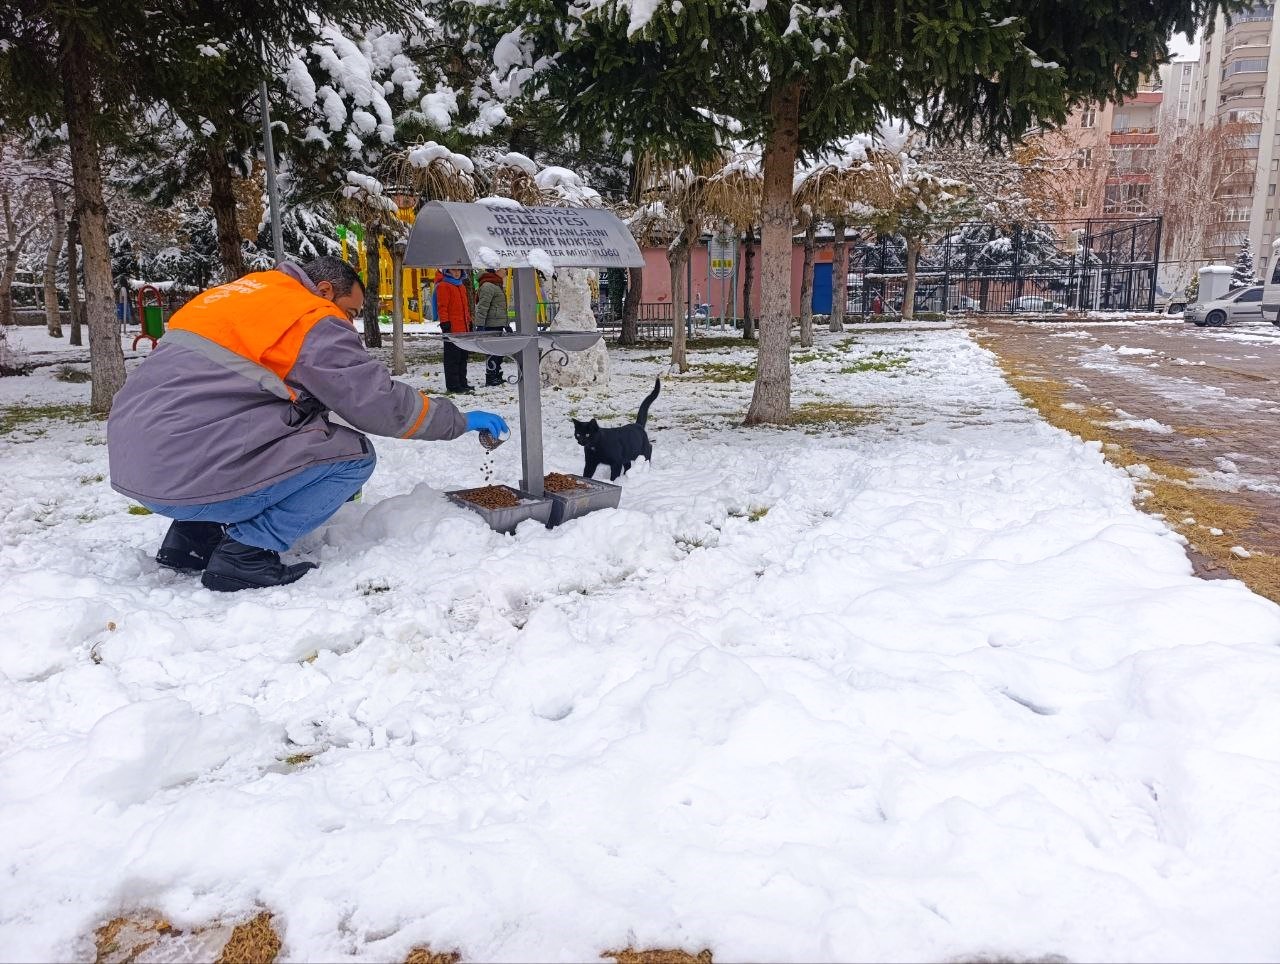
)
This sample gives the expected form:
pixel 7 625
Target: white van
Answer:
pixel 1271 292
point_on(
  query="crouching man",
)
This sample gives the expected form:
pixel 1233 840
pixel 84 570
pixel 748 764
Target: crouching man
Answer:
pixel 225 427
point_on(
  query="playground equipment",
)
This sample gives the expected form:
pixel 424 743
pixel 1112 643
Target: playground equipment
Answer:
pixel 150 317
pixel 354 252
pixel 452 235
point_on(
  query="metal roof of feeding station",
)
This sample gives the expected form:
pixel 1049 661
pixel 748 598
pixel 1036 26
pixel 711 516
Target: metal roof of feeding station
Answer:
pixel 450 234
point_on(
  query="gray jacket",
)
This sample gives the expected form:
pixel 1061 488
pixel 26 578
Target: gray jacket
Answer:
pixel 199 422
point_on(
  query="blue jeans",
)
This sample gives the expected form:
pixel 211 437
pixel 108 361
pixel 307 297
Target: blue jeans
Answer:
pixel 277 516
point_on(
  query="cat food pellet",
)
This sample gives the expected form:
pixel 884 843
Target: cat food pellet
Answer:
pixel 490 497
pixel 559 482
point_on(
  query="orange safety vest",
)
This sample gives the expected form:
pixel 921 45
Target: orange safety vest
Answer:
pixel 263 317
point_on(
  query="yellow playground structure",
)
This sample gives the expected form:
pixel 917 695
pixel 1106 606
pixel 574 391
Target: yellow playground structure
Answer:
pixel 419 283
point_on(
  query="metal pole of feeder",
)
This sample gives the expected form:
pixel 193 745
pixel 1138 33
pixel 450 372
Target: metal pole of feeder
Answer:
pixel 273 190
pixel 526 301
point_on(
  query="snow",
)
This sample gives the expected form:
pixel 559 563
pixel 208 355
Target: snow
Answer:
pixel 494 201
pixel 440 106
pixel 539 259
pixel 566 185
pixel 928 688
pixel 301 85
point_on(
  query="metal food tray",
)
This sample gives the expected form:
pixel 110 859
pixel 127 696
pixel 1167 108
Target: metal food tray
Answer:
pixel 506 520
pixel 576 502
pixel 491 343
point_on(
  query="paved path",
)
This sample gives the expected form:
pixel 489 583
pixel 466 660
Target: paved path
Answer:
pixel 1206 399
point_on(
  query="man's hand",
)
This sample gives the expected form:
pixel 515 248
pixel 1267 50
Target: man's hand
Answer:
pixel 487 422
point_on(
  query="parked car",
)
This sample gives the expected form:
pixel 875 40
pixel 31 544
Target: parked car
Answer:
pixel 1241 305
pixel 1033 303
pixel 965 303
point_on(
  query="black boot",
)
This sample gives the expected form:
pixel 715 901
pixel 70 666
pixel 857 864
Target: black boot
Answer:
pixel 187 546
pixel 235 566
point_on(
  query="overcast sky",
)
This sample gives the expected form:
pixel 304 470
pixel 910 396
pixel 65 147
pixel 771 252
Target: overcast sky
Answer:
pixel 1183 48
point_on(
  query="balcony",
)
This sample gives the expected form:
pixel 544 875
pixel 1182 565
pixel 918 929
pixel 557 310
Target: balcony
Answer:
pixel 1257 14
pixel 1133 137
pixel 1237 72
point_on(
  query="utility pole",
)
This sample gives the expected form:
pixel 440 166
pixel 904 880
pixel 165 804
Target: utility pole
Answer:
pixel 273 190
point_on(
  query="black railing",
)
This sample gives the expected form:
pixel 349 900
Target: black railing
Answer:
pixel 1108 265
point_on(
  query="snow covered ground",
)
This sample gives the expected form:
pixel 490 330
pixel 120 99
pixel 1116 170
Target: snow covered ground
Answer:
pixel 915 689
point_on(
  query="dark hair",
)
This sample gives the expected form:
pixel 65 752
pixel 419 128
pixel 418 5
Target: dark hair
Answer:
pixel 337 272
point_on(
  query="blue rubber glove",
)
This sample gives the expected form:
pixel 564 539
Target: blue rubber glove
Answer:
pixel 487 422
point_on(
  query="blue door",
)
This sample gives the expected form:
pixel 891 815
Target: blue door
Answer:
pixel 822 289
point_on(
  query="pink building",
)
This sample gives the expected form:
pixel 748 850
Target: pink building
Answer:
pixel 720 294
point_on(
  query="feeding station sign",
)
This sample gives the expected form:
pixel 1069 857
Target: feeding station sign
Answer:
pixel 502 234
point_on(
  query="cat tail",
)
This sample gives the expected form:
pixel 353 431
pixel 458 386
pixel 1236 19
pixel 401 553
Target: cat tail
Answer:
pixel 644 406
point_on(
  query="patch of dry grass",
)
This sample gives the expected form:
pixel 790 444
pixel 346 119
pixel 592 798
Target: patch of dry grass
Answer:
pixel 658 956
pixel 425 955
pixel 253 942
pixel 1172 492
pixel 122 939
pixel 827 413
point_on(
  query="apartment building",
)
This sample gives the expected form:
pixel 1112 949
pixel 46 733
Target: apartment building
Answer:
pixel 1109 151
pixel 1178 83
pixel 1238 82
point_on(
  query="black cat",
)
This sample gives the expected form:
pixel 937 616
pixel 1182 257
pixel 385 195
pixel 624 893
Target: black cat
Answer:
pixel 616 447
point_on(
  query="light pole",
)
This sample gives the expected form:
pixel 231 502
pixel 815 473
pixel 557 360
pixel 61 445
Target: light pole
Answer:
pixel 273 190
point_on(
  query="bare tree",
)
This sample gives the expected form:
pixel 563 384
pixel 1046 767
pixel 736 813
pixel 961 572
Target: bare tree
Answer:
pixel 21 218
pixel 58 226
pixel 16 235
pixel 1191 189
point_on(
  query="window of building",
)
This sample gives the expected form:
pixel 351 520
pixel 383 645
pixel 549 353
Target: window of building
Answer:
pixel 1082 198
pixel 1271 190
pixel 1270 213
pixel 1084 157
pixel 1089 118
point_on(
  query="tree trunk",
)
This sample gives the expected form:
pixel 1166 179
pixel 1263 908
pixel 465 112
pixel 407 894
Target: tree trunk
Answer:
pixel 222 198
pixel 839 277
pixel 75 305
pixel 748 279
pixel 15 241
pixel 806 286
pixel 372 285
pixel 771 398
pixel 52 317
pixel 630 333
pixel 106 359
pixel 676 255
pixel 909 290
pixel 397 311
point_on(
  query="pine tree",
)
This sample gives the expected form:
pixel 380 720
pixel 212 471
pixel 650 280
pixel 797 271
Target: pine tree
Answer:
pixel 685 78
pixel 98 69
pixel 1244 275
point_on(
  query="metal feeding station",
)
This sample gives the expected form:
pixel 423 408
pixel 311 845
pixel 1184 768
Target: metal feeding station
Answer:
pixel 448 234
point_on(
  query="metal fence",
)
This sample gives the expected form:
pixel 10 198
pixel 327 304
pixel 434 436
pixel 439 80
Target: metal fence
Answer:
pixel 1090 265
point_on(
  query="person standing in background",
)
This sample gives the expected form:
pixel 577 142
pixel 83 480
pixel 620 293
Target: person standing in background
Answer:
pixel 453 310
pixel 491 315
